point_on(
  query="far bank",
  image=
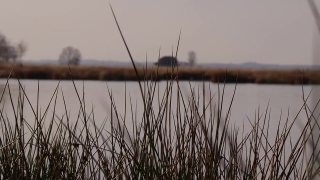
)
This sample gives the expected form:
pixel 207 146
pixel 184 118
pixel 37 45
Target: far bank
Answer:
pixel 125 73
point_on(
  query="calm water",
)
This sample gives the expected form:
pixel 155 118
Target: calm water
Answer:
pixel 284 100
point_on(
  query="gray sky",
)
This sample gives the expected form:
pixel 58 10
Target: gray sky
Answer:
pixel 226 31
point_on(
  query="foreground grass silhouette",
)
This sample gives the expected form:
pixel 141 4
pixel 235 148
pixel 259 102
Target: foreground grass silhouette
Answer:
pixel 186 141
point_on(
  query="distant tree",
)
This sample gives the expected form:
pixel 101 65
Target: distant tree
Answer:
pixel 192 58
pixel 70 55
pixel 3 47
pixel 167 61
pixel 21 49
pixel 11 52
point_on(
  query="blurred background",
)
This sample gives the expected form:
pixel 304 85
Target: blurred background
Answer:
pixel 268 32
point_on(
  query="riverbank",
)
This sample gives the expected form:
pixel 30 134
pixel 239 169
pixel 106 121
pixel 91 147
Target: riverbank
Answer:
pixel 125 73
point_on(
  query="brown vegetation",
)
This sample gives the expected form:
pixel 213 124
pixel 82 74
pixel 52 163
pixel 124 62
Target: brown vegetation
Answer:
pixel 124 73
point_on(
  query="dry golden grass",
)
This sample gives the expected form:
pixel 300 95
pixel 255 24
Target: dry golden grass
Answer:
pixel 127 73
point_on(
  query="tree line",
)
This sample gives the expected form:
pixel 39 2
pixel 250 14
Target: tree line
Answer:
pixel 11 52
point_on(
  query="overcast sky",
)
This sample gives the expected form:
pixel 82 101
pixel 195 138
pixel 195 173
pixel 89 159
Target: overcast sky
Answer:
pixel 226 31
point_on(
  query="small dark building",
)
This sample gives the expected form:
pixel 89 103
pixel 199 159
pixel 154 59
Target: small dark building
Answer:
pixel 167 61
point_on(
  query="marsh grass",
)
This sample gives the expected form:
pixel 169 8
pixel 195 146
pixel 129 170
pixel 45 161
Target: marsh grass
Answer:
pixel 187 135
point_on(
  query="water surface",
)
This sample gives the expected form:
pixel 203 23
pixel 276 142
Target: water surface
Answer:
pixel 284 101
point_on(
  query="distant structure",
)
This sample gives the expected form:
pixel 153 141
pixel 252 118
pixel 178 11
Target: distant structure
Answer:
pixel 167 61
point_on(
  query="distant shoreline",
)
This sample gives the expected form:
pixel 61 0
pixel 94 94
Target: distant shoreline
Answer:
pixel 207 64
pixel 127 73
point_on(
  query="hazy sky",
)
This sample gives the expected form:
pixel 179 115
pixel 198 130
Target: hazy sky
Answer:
pixel 227 31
